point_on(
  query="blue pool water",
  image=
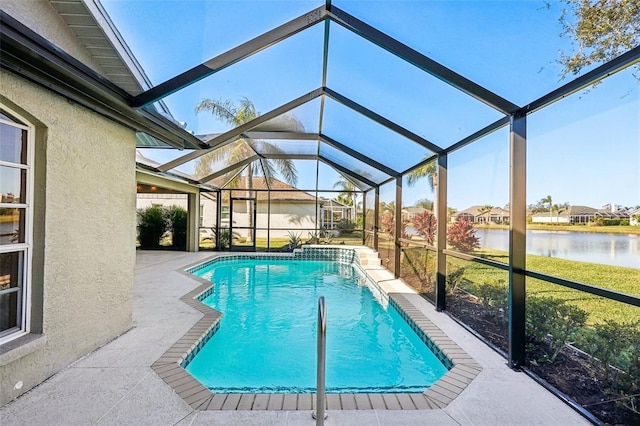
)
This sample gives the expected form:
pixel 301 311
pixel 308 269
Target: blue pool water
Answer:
pixel 267 338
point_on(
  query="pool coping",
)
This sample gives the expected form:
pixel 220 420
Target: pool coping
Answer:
pixel 463 370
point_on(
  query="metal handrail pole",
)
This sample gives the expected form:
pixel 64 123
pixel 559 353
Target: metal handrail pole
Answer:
pixel 320 413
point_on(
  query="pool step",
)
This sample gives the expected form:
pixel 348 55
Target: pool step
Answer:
pixel 367 257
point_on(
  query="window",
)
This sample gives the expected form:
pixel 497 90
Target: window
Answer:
pixel 16 158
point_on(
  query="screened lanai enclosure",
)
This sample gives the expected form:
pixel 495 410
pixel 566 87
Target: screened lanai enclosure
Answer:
pixel 408 127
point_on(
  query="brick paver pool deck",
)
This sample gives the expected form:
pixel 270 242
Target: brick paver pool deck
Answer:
pixel 136 379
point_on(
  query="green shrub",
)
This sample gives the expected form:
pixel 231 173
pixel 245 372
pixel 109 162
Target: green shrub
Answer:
pixel 176 218
pixel 495 298
pixel 612 222
pixel 152 225
pixel 295 241
pixel 420 262
pixel 624 222
pixel 616 351
pixel 454 278
pixel 346 226
pixel 224 239
pixel 550 316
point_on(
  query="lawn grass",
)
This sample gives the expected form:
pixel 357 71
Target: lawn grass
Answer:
pixel 616 278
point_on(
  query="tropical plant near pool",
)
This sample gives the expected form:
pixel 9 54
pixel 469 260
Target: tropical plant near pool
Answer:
pixel 387 222
pixel 295 241
pixel 461 236
pixel 425 224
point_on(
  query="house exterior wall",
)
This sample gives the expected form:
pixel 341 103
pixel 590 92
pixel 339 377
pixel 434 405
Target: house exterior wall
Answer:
pixel 288 216
pixel 84 235
pixel 549 219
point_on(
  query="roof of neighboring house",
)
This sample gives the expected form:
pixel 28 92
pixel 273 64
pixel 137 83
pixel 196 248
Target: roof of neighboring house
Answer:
pixel 474 210
pixel 280 191
pixel 581 210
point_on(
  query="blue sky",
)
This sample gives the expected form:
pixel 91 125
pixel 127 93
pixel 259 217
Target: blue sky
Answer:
pixel 584 150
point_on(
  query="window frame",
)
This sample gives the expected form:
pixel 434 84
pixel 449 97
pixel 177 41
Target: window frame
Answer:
pixel 26 247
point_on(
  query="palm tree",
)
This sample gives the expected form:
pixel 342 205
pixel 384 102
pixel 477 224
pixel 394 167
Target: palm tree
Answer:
pixel 237 115
pixel 548 201
pixel 429 170
pixel 347 193
pixel 560 208
pixel 486 209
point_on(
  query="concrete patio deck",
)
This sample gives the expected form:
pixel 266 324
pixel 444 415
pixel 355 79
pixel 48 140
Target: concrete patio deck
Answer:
pixel 116 385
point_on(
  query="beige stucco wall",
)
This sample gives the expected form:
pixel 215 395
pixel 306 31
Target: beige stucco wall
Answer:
pixel 88 234
pixel 42 18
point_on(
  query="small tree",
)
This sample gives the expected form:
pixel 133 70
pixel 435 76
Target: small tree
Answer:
pixel 425 225
pixel 462 236
pixel 151 226
pixel 176 218
pixel 387 222
pixel 599 31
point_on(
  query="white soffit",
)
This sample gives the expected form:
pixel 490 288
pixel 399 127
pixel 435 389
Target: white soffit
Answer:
pixel 93 27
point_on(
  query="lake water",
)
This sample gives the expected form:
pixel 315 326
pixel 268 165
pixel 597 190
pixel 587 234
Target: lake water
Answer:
pixel 608 249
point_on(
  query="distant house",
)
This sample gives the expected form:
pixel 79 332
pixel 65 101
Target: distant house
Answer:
pixel 581 214
pixel 473 214
pixel 291 209
pixel 282 208
pixel 409 213
pixel 634 217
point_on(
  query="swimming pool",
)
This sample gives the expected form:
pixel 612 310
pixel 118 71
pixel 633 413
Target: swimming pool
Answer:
pixel 266 340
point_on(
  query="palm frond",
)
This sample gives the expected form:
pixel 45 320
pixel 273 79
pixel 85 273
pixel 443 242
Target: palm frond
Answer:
pixel 235 152
pixel 285 167
pixel 224 110
pixel 245 113
pixel 227 154
pixel 428 170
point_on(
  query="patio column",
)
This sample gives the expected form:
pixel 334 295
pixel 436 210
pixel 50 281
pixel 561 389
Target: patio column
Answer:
pixel 218 218
pixel 398 230
pixel 517 239
pixel 376 218
pixel 441 236
pixel 193 221
pixel 364 216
